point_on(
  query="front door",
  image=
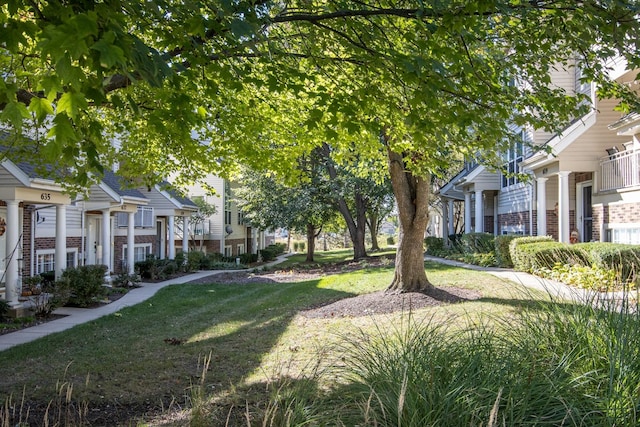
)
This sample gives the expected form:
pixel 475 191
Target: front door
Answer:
pixel 94 240
pixel 585 211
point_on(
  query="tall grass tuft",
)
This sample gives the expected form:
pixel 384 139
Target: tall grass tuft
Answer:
pixel 551 363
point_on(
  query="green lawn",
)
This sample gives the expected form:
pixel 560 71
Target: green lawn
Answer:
pixel 253 333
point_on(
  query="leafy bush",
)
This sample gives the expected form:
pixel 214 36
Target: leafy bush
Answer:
pixel 503 257
pixel 149 268
pixel 624 259
pixel 481 259
pixel 272 251
pixel 477 243
pixel 583 276
pixel 127 280
pixel 390 240
pixel 519 259
pixel 194 261
pixel 4 309
pixel 455 242
pixel 434 245
pixel 85 284
pixel 248 258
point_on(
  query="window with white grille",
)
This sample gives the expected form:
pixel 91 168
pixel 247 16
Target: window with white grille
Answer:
pixel 142 219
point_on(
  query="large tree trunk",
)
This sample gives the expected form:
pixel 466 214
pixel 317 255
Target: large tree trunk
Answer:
pixel 412 197
pixel 311 241
pixel 372 223
pixel 356 227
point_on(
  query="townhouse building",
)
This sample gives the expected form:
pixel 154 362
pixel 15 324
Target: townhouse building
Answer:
pixel 583 184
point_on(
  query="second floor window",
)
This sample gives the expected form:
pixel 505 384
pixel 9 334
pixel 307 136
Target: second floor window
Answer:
pixel 142 219
pixel 512 158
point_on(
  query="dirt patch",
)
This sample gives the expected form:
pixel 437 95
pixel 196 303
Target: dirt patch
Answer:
pixel 384 302
pixel 362 305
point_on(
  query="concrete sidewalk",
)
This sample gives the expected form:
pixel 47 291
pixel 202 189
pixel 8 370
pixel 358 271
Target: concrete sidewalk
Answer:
pixel 75 316
pixel 557 290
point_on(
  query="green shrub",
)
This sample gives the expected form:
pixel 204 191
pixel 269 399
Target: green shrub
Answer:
pixel 181 260
pixel 583 276
pixel 248 258
pixel 455 242
pixel 169 269
pixel 477 243
pixel 481 259
pixel 149 268
pixel 390 240
pixel 434 245
pixel 268 254
pixel 4 309
pixel 503 257
pixel 86 284
pixel 194 260
pixel 536 256
pixel 624 259
pixel 518 258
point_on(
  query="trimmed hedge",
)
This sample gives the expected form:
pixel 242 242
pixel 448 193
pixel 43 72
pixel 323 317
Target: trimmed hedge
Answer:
pixel 518 257
pixel 434 245
pixel 532 253
pixel 503 257
pixel 477 243
pixel 624 259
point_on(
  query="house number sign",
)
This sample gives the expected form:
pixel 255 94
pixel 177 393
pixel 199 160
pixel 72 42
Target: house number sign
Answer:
pixel 45 196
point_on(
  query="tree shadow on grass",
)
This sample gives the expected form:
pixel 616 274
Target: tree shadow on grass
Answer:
pixel 146 357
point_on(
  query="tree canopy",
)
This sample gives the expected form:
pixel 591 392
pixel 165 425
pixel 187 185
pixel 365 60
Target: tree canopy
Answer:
pixel 193 86
pixel 186 88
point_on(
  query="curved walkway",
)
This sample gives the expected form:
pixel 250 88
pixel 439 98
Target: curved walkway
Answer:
pixel 554 288
pixel 75 316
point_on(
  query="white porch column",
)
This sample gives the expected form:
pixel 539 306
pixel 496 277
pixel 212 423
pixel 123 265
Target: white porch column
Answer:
pixel 12 253
pixel 131 242
pixel 479 212
pixel 467 212
pixel 171 233
pixel 185 234
pixel 542 206
pixel 450 208
pixel 254 240
pixel 106 240
pixel 445 217
pixel 563 206
pixel 60 258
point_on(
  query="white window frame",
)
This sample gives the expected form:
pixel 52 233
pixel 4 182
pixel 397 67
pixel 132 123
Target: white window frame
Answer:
pixel 240 248
pixel 228 250
pixel 512 159
pixel 148 250
pixel 144 218
pixel 52 254
pixel 623 233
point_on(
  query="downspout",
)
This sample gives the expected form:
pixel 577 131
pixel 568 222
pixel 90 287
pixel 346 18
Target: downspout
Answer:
pixel 33 243
pixel 82 235
pixel 533 202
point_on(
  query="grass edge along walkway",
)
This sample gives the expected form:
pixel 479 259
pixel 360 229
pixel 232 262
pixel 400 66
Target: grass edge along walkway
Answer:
pixel 75 316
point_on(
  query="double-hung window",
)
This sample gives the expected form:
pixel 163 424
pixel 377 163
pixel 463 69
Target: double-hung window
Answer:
pixel 513 156
pixel 142 219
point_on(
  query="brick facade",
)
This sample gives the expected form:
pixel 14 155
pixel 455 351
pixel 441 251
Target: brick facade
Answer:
pixel 118 249
pixel 514 219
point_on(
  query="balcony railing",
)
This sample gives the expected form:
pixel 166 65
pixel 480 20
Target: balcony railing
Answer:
pixel 620 170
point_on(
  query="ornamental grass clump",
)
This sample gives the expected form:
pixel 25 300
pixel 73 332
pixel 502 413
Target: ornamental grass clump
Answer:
pixel 553 363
